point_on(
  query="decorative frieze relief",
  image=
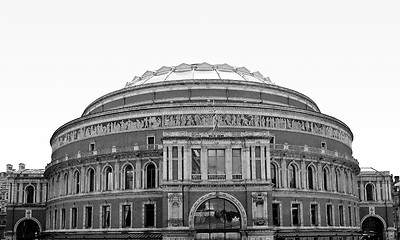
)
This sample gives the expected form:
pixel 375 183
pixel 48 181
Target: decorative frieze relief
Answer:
pixel 201 120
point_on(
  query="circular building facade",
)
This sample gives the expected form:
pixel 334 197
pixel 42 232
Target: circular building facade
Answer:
pixel 202 151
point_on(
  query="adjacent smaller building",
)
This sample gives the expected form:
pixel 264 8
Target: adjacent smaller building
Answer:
pixel 396 205
pixel 26 207
pixel 376 204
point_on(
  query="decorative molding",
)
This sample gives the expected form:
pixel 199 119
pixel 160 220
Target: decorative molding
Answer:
pixel 201 120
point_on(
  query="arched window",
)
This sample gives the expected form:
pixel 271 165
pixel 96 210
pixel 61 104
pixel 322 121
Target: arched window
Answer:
pixel 91 180
pixel 150 176
pixel 274 175
pixel 337 181
pixel 30 194
pixel 310 177
pixel 292 175
pixel 128 177
pixel 326 177
pixel 66 185
pixel 108 179
pixel 77 182
pixel 370 192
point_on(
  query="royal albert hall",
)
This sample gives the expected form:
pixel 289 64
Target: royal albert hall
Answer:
pixel 201 151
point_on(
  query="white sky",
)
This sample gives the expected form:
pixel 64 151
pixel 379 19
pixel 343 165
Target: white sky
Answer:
pixel 56 57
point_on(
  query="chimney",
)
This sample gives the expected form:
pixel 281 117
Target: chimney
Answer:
pixel 21 166
pixel 396 179
pixel 9 167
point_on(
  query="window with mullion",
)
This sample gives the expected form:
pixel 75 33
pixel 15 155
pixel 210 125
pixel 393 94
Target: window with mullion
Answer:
pixel 216 161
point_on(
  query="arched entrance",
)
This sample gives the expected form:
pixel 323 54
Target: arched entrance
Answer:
pixel 27 230
pixel 217 216
pixel 374 227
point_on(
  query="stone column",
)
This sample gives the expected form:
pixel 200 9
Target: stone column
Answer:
pixel 319 177
pixel 187 160
pixel 83 179
pixel 284 171
pixel 362 191
pixel 378 186
pixel 165 149
pixel 169 159
pixel 333 178
pixel 253 162
pixel 98 177
pixel 228 162
pixel 268 162
pixel 45 193
pixel 180 165
pixel 38 191
pixel 247 162
pixel 138 174
pixel 263 177
pixel 116 176
pixel 21 195
pixel 203 163
pixel 303 175
pixel 389 192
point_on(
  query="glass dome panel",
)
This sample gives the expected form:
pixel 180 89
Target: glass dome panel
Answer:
pixel 205 75
pixel 180 76
pixel 230 76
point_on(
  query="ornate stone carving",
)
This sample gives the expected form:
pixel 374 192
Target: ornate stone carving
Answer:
pixel 206 120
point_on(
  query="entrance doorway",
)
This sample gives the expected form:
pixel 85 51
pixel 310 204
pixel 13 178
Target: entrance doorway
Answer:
pixel 217 218
pixel 27 230
pixel 374 227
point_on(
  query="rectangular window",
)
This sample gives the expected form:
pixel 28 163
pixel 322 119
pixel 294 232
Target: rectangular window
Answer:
pixel 149 220
pixel 63 218
pixel 126 216
pixel 272 140
pixel 329 215
pixel 92 147
pixel 196 164
pixel 216 163
pixel 295 214
pixel 350 220
pixel 74 217
pixel 175 163
pixel 106 216
pixel 88 217
pixel 341 216
pixel 237 163
pixel 55 218
pixel 50 219
pixel 276 218
pixel 314 214
pixel 151 141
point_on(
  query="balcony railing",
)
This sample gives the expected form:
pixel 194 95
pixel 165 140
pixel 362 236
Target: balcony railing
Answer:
pixel 305 148
pixel 107 151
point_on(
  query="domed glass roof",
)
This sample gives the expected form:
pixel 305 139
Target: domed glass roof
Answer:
pixel 199 71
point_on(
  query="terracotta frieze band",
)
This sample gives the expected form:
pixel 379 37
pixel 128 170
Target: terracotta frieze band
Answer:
pixel 201 120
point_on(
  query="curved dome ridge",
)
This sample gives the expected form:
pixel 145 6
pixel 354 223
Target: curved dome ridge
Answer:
pixel 199 71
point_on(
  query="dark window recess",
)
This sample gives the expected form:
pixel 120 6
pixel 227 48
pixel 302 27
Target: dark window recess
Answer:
pixel 151 176
pixel 314 214
pixel 92 147
pixel 74 218
pixel 295 214
pixel 149 215
pixel 276 219
pixel 127 216
pixel 88 217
